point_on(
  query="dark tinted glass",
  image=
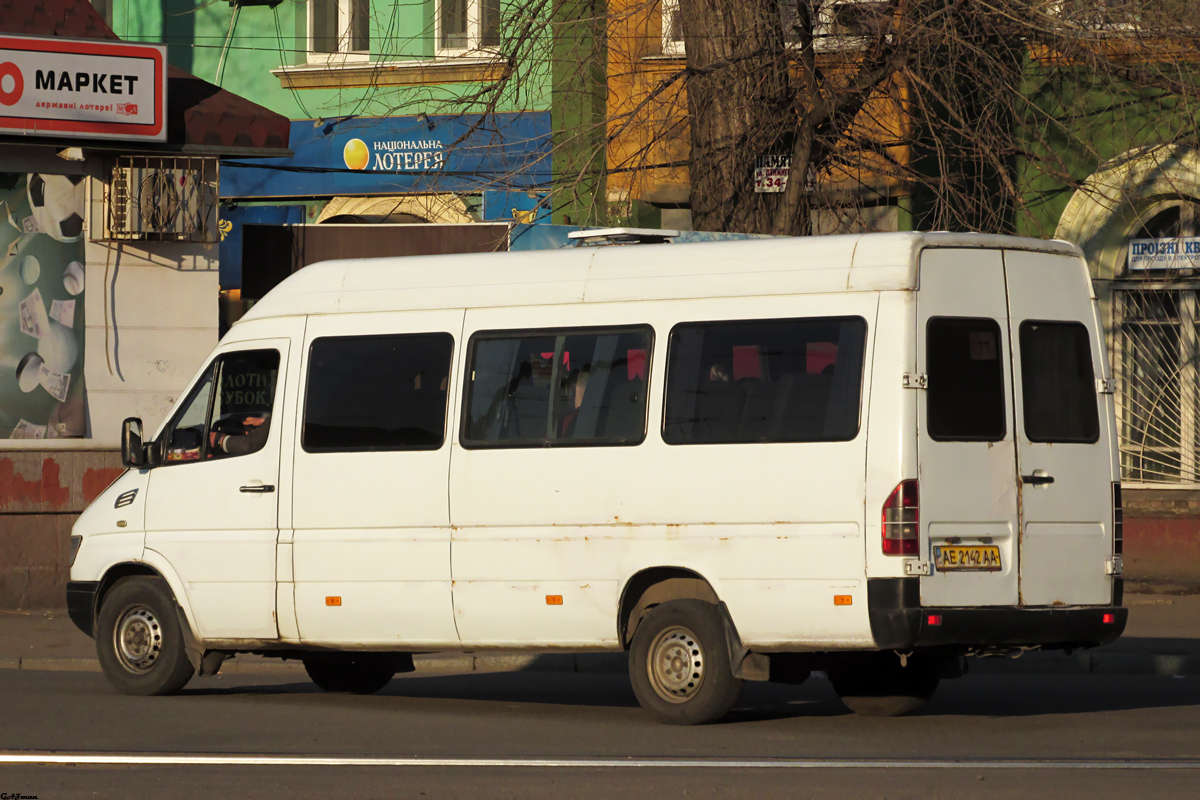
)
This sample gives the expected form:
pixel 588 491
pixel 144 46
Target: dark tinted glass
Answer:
pixel 360 26
pixel 454 23
pixel 966 380
pixel 556 388
pixel 788 380
pixel 325 26
pixel 1058 384
pixel 234 422
pixel 490 25
pixel 377 392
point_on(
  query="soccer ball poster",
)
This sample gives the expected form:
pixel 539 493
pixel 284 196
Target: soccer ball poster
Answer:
pixel 41 306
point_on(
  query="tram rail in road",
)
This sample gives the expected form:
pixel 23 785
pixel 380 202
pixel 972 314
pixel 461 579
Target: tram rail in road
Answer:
pixel 238 760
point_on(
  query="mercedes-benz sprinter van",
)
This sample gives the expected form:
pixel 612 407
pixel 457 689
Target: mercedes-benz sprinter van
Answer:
pixel 867 455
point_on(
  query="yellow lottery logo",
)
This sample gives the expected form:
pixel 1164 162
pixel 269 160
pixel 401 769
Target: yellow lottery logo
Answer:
pixel 355 154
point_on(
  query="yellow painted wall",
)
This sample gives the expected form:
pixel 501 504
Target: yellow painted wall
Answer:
pixel 647 116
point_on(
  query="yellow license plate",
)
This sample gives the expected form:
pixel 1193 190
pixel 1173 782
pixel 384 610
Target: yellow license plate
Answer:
pixel 964 558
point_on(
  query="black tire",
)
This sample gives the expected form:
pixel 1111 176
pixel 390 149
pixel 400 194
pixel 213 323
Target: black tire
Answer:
pixel 876 685
pixel 792 669
pixel 138 638
pixel 679 664
pixel 350 673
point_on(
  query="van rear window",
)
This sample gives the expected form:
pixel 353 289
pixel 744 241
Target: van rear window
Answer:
pixel 557 388
pixel 965 362
pixel 376 392
pixel 783 380
pixel 1058 385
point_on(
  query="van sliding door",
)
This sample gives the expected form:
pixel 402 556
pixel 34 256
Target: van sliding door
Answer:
pixel 371 545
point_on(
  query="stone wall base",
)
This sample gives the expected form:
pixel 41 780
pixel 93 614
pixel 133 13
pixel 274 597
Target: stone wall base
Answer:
pixel 35 555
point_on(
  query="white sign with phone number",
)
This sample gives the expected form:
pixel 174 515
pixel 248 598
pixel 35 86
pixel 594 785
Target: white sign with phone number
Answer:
pixel 771 173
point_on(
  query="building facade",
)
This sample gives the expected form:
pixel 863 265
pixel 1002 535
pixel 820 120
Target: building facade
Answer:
pixel 109 180
pixel 401 113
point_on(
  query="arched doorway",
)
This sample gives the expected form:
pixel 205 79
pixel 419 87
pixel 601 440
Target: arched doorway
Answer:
pixel 397 209
pixel 1150 305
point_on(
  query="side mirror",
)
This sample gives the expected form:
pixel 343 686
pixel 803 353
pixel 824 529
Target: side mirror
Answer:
pixel 132 452
pixel 153 451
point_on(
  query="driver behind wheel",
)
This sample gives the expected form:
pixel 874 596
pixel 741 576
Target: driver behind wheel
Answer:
pixel 253 437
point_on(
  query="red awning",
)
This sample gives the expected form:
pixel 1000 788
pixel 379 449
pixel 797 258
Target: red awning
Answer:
pixel 201 117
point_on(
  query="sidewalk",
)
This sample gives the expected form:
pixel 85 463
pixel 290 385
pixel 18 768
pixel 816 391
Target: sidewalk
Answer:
pixel 1162 638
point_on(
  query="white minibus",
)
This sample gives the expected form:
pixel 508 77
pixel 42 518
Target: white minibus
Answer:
pixel 866 455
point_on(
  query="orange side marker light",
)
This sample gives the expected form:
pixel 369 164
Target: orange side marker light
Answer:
pixel 333 601
pixel 843 600
pixel 554 599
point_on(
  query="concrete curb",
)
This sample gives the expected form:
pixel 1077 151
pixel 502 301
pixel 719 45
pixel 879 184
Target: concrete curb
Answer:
pixel 1079 663
pixel 426 664
pixel 1163 664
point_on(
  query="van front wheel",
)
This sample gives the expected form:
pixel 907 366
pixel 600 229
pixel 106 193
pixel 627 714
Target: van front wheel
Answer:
pixel 679 664
pixel 350 673
pixel 139 641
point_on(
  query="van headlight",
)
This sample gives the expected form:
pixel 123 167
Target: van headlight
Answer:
pixel 75 542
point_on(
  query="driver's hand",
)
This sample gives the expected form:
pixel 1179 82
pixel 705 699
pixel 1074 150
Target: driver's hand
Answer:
pixel 254 422
pixel 212 439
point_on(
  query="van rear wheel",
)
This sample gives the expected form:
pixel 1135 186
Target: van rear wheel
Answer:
pixel 138 638
pixel 877 685
pixel 350 673
pixel 679 664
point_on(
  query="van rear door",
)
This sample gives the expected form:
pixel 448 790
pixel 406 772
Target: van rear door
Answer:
pixel 965 446
pixel 1064 437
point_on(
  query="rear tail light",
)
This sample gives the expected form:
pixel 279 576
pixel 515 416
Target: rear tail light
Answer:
pixel 1118 521
pixel 901 520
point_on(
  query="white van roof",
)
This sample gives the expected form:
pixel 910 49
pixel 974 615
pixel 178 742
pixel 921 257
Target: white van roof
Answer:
pixel 794 265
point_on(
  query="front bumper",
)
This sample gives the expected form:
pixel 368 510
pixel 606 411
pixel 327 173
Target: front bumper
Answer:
pixel 81 604
pixel 898 622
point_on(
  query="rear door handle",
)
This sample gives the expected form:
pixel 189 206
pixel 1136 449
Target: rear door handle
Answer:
pixel 260 488
pixel 1039 478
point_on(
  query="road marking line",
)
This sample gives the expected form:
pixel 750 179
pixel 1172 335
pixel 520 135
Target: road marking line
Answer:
pixel 135 759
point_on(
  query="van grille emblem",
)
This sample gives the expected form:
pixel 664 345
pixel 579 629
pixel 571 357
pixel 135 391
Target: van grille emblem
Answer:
pixel 125 498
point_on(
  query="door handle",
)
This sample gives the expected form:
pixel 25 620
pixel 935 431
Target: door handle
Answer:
pixel 260 488
pixel 1039 478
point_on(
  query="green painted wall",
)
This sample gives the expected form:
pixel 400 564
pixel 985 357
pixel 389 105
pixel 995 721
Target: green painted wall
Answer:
pixel 1083 120
pixel 579 113
pixel 197 33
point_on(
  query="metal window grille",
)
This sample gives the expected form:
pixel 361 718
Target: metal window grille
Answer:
pixel 1158 383
pixel 162 198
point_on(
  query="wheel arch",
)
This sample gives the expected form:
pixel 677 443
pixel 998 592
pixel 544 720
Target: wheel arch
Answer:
pixel 148 568
pixel 655 585
pixel 116 572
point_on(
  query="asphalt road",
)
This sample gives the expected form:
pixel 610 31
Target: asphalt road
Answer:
pixel 565 736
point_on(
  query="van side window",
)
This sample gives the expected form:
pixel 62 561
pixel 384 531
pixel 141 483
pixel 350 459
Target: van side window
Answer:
pixel 236 419
pixel 965 397
pixel 557 388
pixel 783 380
pixel 376 393
pixel 1058 385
